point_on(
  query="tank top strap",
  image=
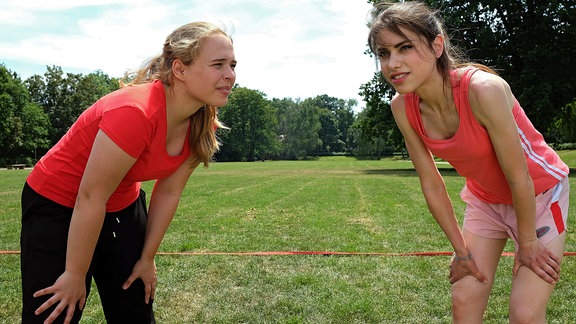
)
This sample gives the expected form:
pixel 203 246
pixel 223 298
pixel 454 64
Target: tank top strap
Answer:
pixel 460 80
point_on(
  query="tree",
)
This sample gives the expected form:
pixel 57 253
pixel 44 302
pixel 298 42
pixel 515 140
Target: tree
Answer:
pixel 65 97
pixel 564 122
pixel 530 42
pixel 346 119
pixel 252 124
pixel 285 111
pixel 50 92
pixel 376 125
pixel 304 129
pixel 23 124
pixel 298 127
pixel 35 130
pixel 336 118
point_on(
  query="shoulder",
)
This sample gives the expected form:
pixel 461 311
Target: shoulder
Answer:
pixel 148 98
pixel 483 85
pixel 398 107
pixel 132 94
pixel 398 102
pixel 489 96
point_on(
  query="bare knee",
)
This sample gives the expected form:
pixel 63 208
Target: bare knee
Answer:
pixel 460 298
pixel 520 314
pixel 528 308
pixel 529 297
pixel 469 301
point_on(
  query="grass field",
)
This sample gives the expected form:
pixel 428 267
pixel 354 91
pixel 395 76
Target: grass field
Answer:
pixel 332 204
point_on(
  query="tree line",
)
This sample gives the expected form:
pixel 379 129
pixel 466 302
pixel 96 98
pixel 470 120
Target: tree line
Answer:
pixel 37 112
pixel 529 42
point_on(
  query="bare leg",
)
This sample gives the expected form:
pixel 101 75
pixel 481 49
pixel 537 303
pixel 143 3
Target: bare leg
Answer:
pixel 530 294
pixel 469 296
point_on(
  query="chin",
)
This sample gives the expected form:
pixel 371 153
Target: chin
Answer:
pixel 401 91
pixel 218 103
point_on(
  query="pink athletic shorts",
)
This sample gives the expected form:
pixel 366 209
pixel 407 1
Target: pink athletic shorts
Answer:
pixel 498 221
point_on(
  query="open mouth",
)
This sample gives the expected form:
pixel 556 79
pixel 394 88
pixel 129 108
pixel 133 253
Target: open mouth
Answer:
pixel 398 76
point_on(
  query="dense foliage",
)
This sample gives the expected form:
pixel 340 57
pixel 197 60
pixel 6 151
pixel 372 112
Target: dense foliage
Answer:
pixel 23 124
pixel 34 114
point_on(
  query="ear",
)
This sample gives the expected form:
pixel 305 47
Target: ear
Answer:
pixel 438 45
pixel 178 69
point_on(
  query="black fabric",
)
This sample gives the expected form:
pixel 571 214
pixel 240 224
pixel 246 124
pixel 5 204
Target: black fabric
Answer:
pixel 43 243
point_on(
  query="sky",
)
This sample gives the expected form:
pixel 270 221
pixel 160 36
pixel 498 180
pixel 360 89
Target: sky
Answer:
pixel 284 48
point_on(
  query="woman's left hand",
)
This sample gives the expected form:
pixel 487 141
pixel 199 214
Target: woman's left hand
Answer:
pixel 145 270
pixel 538 258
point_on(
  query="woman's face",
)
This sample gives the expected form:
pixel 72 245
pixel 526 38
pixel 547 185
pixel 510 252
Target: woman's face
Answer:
pixel 405 62
pixel 211 76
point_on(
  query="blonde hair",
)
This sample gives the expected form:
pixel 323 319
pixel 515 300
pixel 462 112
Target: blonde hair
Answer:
pixel 185 44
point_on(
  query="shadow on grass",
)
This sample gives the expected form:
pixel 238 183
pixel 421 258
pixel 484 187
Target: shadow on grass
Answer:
pixel 447 172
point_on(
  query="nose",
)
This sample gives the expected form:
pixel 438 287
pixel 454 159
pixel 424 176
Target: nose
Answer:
pixel 230 74
pixel 394 62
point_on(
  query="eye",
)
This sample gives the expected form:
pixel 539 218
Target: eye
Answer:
pixel 406 47
pixel 382 53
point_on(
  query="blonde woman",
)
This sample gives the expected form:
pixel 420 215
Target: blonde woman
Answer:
pixel 84 215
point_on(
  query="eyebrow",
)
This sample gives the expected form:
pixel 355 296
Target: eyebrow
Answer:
pixel 397 45
pixel 222 60
pixel 402 43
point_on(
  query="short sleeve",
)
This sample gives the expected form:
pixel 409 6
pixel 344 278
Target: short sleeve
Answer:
pixel 129 128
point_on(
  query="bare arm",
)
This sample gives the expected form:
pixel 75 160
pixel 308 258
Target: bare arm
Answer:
pixel 431 181
pixel 163 204
pixel 435 193
pixel 492 102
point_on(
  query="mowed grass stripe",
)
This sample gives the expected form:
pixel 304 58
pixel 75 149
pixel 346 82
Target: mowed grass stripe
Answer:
pixel 294 209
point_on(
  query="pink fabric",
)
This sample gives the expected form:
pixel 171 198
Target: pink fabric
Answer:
pixel 498 221
pixel 471 153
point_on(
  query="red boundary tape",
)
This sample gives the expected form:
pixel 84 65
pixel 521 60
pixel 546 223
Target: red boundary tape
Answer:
pixel 267 253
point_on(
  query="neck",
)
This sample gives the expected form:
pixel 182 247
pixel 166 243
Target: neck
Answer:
pixel 437 94
pixel 178 106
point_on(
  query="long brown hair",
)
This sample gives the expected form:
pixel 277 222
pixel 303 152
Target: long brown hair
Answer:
pixel 185 44
pixel 424 22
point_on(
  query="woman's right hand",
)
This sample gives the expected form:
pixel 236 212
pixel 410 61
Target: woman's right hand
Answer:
pixel 459 268
pixel 68 290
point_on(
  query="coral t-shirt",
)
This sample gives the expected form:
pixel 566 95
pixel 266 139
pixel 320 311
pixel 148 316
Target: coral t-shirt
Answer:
pixel 134 117
pixel 471 153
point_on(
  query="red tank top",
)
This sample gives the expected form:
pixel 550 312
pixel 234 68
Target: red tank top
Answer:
pixel 472 155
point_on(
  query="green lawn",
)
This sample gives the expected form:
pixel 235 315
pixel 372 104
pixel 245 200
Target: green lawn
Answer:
pixel 333 204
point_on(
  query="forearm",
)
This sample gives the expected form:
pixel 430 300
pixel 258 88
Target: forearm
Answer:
pixel 442 210
pixel 525 208
pixel 85 227
pixel 162 209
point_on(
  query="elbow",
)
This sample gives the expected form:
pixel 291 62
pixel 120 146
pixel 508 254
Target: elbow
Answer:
pixel 88 198
pixel 520 180
pixel 521 186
